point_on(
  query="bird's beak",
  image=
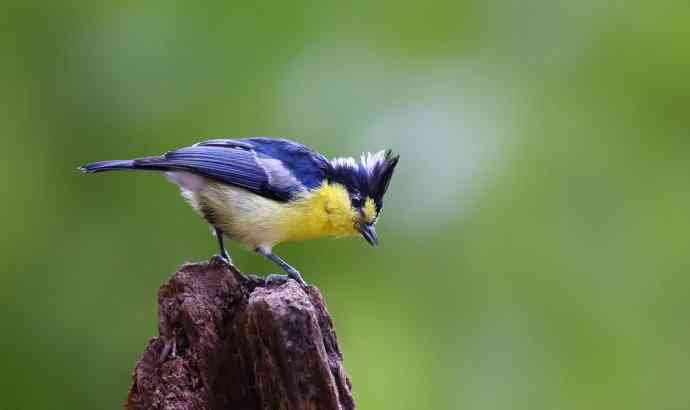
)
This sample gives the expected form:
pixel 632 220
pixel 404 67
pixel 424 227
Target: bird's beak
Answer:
pixel 369 233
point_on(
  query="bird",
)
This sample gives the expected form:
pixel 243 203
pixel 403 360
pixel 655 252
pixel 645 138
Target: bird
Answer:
pixel 262 191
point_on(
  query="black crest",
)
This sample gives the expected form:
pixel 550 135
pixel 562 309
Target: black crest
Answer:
pixel 368 178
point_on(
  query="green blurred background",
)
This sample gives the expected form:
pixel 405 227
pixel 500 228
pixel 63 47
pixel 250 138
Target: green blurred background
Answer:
pixel 535 239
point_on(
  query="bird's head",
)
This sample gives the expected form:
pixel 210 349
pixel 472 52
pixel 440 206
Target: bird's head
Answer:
pixel 366 183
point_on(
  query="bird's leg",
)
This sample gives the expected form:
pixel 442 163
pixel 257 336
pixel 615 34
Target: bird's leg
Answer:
pixel 292 272
pixel 223 253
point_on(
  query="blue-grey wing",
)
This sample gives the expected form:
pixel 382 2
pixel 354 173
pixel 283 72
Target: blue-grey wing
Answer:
pixel 233 166
pixel 276 169
pixel 288 163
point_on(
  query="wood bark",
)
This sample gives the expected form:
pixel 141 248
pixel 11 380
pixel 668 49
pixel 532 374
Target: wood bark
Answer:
pixel 229 341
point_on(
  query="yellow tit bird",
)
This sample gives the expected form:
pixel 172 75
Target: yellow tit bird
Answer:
pixel 264 191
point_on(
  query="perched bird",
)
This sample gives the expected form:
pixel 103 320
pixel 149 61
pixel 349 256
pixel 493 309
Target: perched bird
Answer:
pixel 264 191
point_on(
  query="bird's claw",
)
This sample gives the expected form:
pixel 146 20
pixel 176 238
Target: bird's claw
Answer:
pixel 281 279
pixel 276 278
pixel 297 277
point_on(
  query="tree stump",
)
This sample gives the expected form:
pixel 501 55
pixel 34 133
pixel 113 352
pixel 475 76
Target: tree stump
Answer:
pixel 228 341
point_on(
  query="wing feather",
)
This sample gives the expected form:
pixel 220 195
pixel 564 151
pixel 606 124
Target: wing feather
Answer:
pixel 233 166
pixel 273 168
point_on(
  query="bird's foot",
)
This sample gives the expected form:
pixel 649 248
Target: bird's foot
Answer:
pixel 220 261
pixel 294 274
pixel 280 279
pixel 275 278
pixel 226 258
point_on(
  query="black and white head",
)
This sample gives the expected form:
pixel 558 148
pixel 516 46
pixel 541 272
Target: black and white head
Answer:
pixel 366 182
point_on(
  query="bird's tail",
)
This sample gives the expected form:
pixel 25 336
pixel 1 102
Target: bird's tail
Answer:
pixel 107 166
pixel 148 163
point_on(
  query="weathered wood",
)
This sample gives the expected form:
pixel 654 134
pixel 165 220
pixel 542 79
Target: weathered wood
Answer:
pixel 231 342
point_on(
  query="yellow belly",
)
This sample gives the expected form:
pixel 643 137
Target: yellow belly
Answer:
pixel 255 221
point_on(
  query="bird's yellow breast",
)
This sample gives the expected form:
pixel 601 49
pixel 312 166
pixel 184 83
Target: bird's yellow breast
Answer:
pixel 325 211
